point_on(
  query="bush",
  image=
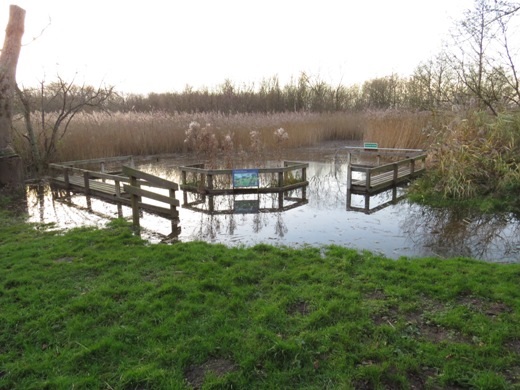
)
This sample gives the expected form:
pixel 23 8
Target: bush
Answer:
pixel 474 156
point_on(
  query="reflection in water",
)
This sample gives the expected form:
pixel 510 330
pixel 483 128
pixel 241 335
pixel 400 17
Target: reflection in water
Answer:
pixel 47 205
pixel 371 203
pixel 456 232
pixel 396 230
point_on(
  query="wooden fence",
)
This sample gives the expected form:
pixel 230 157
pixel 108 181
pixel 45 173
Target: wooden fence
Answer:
pixel 378 178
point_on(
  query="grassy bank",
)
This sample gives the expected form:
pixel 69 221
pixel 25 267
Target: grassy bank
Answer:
pixel 103 309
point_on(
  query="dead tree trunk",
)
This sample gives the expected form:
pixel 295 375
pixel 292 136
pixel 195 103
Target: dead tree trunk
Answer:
pixel 10 163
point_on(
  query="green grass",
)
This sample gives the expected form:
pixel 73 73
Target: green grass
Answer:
pixel 103 309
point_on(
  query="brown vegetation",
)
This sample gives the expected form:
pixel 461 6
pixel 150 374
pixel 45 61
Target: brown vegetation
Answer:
pixel 114 134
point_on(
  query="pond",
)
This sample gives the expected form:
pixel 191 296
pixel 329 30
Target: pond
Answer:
pixel 390 225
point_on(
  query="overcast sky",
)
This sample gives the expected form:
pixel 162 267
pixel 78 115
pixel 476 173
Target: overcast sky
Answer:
pixel 163 45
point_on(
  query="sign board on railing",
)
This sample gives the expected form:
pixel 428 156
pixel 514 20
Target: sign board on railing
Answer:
pixel 371 145
pixel 245 178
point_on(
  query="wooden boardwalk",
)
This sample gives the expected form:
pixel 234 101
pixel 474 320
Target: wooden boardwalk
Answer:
pixel 382 177
pixel 95 187
pixel 121 188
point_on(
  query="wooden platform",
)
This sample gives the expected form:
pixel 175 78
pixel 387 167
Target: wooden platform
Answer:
pixel 95 187
pixel 383 180
pixel 378 178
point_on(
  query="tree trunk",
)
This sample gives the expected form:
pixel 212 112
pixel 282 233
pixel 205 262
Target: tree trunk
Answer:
pixel 8 63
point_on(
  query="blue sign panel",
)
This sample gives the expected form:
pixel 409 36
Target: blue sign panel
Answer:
pixel 245 178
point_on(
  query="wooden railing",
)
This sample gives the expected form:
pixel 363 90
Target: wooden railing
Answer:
pixel 384 176
pixel 139 179
pixel 86 180
pixel 206 180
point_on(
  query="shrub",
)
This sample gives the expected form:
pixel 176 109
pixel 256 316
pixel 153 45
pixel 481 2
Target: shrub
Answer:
pixel 475 155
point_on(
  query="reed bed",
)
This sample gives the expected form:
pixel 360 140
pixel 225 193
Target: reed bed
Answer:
pixel 397 129
pixel 130 133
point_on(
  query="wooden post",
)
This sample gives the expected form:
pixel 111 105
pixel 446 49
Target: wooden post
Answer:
pixel 103 170
pixel 173 209
pixel 280 179
pixel 412 167
pixel 349 199
pixel 368 174
pixel 396 169
pixel 349 177
pixel 135 205
pixel 394 194
pixel 86 180
pixel 117 184
pixel 209 177
pixel 304 179
pixel 66 178
pixel 184 177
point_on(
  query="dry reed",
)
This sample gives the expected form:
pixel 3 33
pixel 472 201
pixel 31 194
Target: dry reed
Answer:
pixel 130 133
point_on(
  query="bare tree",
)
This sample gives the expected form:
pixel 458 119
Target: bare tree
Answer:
pixel 481 44
pixel 49 111
pixel 8 63
pixel 10 170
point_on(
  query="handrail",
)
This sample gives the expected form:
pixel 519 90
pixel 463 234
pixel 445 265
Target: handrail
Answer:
pixel 206 182
pixel 94 161
pixel 379 172
pixel 192 169
pixel 137 193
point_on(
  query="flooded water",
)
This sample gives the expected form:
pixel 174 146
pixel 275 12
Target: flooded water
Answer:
pixel 387 225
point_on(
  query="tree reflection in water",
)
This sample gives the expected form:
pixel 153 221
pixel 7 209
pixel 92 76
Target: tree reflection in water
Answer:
pixel 280 226
pixel 457 232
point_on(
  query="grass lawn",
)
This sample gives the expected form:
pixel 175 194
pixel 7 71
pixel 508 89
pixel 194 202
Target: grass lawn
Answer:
pixel 102 309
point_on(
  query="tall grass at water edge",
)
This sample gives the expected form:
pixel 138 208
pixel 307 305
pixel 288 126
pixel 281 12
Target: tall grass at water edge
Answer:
pixel 131 133
pixel 475 156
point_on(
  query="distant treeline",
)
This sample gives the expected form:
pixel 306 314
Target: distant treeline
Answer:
pixel 419 92
pixel 433 86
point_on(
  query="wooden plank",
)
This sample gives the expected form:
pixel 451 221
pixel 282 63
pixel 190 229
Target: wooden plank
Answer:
pixel 92 161
pixel 151 195
pixel 162 211
pixel 154 181
pixel 384 180
pixel 78 183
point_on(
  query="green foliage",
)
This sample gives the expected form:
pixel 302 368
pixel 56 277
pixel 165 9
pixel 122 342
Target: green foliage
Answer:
pixel 476 156
pixel 103 309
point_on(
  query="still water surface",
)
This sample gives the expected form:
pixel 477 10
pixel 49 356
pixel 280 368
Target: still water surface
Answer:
pixel 393 228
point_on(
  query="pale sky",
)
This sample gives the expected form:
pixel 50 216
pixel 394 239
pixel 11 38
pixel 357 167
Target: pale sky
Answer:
pixel 162 45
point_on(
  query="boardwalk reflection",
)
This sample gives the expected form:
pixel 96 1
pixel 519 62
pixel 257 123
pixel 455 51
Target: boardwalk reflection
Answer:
pixel 371 203
pixel 244 203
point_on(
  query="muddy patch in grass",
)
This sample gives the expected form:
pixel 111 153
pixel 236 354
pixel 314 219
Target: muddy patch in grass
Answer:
pixel 300 307
pixel 195 374
pixel 489 308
